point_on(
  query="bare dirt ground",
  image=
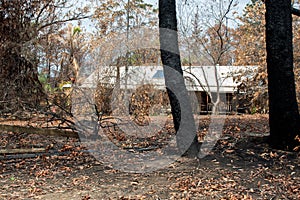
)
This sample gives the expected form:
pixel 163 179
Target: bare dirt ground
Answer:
pixel 241 166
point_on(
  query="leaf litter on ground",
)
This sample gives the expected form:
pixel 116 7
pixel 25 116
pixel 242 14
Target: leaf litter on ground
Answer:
pixel 241 166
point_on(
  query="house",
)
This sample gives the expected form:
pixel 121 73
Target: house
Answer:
pixel 202 82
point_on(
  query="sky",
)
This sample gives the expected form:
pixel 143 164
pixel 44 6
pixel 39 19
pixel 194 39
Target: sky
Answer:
pixel 241 3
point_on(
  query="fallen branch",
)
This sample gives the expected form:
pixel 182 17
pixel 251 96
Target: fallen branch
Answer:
pixel 16 151
pixel 39 131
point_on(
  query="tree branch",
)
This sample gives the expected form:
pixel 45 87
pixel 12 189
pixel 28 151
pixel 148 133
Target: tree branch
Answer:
pixel 62 21
pixel 296 11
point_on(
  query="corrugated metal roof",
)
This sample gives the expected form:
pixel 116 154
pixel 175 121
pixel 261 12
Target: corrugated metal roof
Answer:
pixel 198 78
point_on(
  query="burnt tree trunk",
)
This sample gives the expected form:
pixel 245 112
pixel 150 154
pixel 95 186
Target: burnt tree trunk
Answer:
pixel 180 104
pixel 284 116
pixel 20 88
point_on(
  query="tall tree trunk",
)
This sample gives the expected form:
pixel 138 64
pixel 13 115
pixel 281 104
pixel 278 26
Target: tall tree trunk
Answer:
pixel 284 115
pixel 180 104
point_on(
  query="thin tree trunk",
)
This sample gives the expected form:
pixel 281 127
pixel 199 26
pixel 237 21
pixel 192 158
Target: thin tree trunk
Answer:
pixel 284 115
pixel 180 104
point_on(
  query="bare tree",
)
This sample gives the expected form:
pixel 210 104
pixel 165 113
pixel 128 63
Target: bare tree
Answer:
pixel 209 42
pixel 23 25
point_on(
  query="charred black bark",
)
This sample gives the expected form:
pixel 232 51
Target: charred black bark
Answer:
pixel 180 104
pixel 284 116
